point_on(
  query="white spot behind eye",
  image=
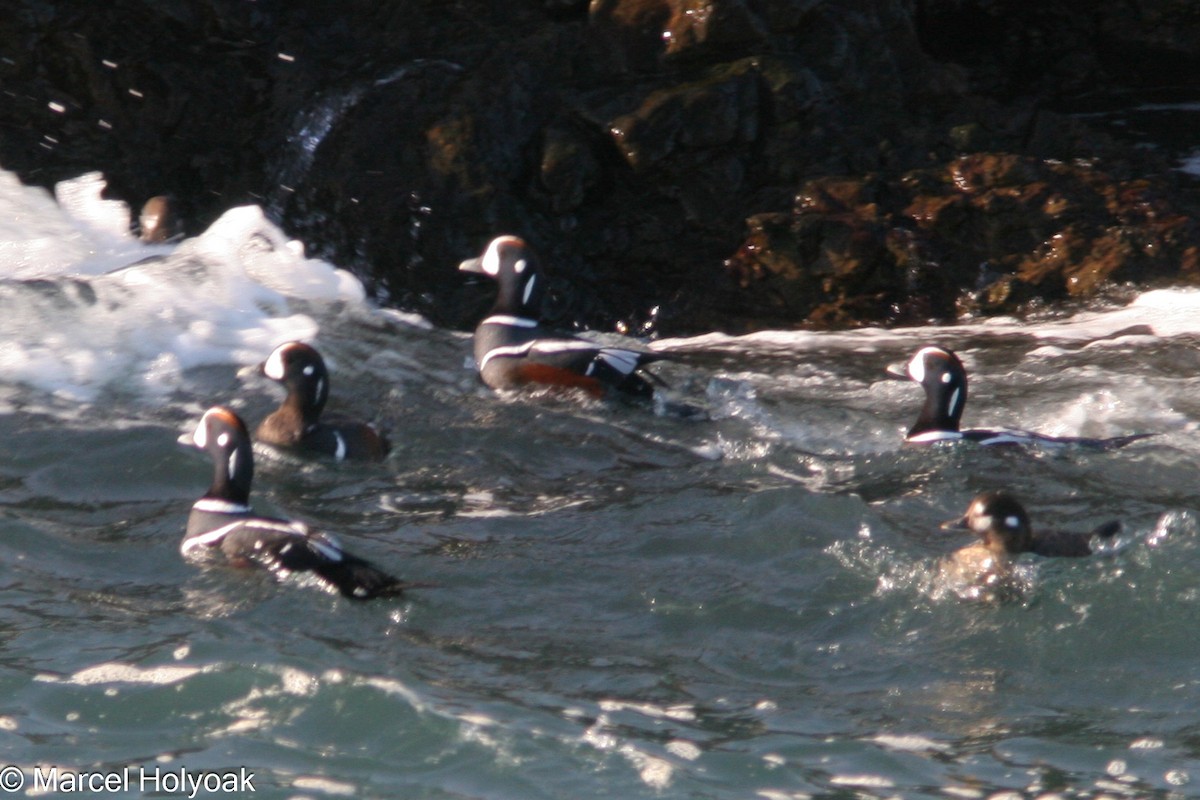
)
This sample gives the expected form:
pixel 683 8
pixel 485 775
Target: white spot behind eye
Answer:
pixel 520 265
pixel 528 286
pixel 1012 522
pixel 946 377
pixel 273 369
pixel 308 370
pixel 223 439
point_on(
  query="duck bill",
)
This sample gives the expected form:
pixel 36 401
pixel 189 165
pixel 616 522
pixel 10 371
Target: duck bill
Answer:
pixel 897 373
pixel 252 371
pixel 474 265
pixel 959 524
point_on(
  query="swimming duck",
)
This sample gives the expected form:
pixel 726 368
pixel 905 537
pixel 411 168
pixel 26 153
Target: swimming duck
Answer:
pixel 297 425
pixel 941 374
pixel 513 349
pixel 986 569
pixel 223 525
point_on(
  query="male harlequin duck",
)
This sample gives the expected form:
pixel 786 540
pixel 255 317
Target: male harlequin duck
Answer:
pixel 296 424
pixel 222 523
pixel 513 350
pixel 986 569
pixel 942 375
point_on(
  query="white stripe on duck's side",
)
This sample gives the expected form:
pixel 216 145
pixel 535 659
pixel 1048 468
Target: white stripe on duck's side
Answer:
pixel 623 361
pixel 324 544
pixel 538 345
pixel 208 539
pixel 1020 437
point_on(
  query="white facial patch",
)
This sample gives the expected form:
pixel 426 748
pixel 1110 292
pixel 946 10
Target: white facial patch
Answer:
pixel 491 259
pixel 200 437
pixel 273 369
pixel 528 286
pixel 223 439
pixel 916 367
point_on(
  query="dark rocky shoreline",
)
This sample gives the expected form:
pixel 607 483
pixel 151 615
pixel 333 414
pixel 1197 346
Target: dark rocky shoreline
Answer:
pixel 682 166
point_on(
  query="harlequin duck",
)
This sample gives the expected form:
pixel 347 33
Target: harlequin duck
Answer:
pixel 296 424
pixel 512 348
pixel 159 223
pixel 942 375
pixel 222 523
pixel 986 569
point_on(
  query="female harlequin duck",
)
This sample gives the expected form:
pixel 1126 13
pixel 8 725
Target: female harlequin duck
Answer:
pixel 942 375
pixel 296 424
pixel 222 523
pixel 159 221
pixel 986 569
pixel 512 349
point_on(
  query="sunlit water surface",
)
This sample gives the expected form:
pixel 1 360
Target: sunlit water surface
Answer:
pixel 628 603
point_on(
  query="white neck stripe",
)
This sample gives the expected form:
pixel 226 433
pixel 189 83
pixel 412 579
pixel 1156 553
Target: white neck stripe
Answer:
pixel 216 506
pixel 508 319
pixel 935 436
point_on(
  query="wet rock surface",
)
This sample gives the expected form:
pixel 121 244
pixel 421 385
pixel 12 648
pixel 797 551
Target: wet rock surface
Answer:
pixel 681 165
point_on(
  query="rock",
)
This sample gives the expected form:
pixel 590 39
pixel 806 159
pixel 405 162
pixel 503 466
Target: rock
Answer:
pixel 985 233
pixel 681 165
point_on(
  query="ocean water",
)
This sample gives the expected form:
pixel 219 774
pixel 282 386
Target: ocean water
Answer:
pixel 628 603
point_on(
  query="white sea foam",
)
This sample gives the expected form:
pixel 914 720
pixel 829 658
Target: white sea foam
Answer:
pixel 113 672
pixel 1099 405
pixel 84 306
pixel 1157 314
